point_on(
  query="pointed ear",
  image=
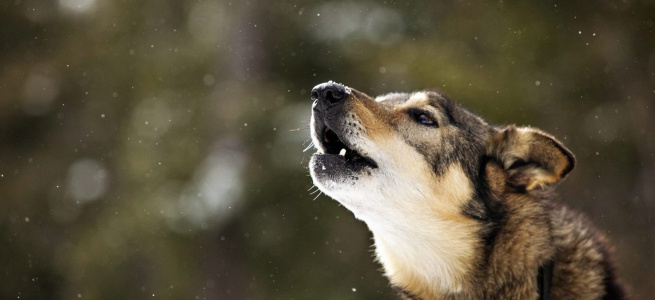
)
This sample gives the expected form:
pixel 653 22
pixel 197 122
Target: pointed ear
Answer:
pixel 531 158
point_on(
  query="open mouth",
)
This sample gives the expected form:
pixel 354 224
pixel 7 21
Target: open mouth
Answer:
pixel 335 146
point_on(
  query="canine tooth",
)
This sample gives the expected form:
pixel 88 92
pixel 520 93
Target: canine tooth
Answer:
pixel 342 152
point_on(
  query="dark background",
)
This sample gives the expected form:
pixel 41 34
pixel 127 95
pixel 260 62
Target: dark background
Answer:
pixel 153 149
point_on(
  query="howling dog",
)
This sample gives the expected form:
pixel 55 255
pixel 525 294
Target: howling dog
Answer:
pixel 459 208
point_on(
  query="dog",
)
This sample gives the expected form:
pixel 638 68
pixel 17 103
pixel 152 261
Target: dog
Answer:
pixel 458 208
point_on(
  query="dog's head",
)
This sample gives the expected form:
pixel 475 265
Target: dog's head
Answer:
pixel 419 153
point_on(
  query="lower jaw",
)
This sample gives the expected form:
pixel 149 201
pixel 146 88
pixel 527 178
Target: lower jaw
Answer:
pixel 337 164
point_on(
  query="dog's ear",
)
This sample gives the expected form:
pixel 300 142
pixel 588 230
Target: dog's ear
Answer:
pixel 530 158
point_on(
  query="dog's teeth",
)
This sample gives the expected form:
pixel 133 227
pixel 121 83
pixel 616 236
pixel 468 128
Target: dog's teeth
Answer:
pixel 342 152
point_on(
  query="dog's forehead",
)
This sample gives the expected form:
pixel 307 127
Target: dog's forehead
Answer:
pixel 416 99
pixel 393 98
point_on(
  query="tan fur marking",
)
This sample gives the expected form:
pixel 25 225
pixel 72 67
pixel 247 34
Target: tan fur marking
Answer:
pixel 417 100
pixel 372 118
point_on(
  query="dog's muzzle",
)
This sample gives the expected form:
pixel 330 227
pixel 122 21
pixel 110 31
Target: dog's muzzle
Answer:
pixel 334 135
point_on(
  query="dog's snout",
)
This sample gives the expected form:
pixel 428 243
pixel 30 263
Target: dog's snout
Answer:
pixel 329 92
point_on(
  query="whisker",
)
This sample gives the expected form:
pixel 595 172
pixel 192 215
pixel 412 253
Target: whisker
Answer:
pixel 311 145
pixel 321 193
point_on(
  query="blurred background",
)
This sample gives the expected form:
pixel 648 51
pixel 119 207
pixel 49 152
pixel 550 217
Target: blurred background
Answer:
pixel 154 149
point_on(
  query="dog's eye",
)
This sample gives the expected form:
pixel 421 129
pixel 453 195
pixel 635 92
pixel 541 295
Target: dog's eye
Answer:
pixel 423 118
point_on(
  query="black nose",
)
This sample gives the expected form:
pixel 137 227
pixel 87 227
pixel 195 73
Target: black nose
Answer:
pixel 330 92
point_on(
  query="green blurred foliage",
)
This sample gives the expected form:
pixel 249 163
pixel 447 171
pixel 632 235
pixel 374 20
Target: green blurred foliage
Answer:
pixel 153 149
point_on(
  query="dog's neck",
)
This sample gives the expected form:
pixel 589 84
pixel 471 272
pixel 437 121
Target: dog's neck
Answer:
pixel 428 261
pixel 424 247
